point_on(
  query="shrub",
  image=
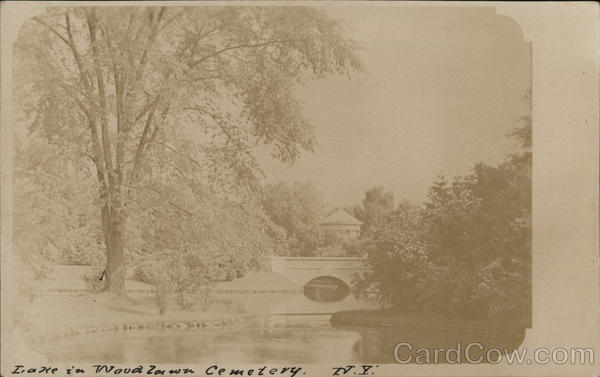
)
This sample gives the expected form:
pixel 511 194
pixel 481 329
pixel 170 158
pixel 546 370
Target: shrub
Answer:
pixel 92 278
pixel 156 274
pixel 151 272
pixel 161 291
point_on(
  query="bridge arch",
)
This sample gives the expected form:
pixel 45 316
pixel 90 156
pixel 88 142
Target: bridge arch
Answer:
pixel 302 270
pixel 333 275
pixel 326 288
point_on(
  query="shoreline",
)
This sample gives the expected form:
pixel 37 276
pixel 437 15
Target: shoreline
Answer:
pixel 378 318
pixel 65 306
pixel 57 317
pixel 179 324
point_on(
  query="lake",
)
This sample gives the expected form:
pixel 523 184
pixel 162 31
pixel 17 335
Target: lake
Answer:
pixel 275 339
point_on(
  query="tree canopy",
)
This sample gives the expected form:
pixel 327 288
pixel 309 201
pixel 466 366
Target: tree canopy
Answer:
pixel 376 205
pixel 467 251
pixel 297 208
pixel 145 93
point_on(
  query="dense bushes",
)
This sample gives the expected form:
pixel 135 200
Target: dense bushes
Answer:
pixel 466 252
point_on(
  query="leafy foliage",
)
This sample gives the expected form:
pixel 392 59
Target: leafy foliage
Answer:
pixel 466 252
pixel 395 257
pixel 297 209
pixel 188 238
pixel 54 207
pixel 142 94
pixel 376 206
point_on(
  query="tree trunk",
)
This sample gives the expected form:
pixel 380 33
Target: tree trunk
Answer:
pixel 115 261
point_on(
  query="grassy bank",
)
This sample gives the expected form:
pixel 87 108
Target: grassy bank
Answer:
pixel 55 316
pixel 65 306
pixel 407 319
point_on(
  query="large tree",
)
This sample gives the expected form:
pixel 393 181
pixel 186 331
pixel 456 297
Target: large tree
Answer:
pixel 296 208
pixel 376 206
pixel 207 83
pixel 53 211
pixel 467 251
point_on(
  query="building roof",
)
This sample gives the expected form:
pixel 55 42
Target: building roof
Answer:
pixel 340 217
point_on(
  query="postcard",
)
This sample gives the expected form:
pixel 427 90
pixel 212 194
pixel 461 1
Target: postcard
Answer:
pixel 323 188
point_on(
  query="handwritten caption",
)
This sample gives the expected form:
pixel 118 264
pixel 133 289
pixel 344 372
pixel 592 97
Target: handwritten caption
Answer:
pixel 212 370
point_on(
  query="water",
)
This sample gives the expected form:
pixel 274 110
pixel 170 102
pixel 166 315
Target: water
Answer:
pixel 289 328
pixel 277 339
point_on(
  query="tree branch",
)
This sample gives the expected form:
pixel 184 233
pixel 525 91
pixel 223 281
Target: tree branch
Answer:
pixel 148 107
pixel 91 22
pixel 170 202
pixel 244 45
pixel 121 127
pixel 53 30
pixel 142 144
pixel 178 153
pixel 102 176
pixel 223 129
pixel 76 54
pixel 139 69
pixel 168 22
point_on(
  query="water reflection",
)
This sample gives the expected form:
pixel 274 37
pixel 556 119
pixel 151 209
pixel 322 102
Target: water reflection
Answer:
pixel 376 345
pixel 326 289
pixel 282 342
pixel 278 339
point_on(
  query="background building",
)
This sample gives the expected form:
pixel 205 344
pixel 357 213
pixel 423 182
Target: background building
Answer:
pixel 342 224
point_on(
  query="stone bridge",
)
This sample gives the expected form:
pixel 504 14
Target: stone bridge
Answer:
pixel 301 270
pixel 326 283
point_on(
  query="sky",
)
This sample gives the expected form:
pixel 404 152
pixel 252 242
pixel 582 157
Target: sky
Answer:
pixel 442 88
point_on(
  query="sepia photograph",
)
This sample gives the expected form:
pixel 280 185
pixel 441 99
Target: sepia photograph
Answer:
pixel 255 188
